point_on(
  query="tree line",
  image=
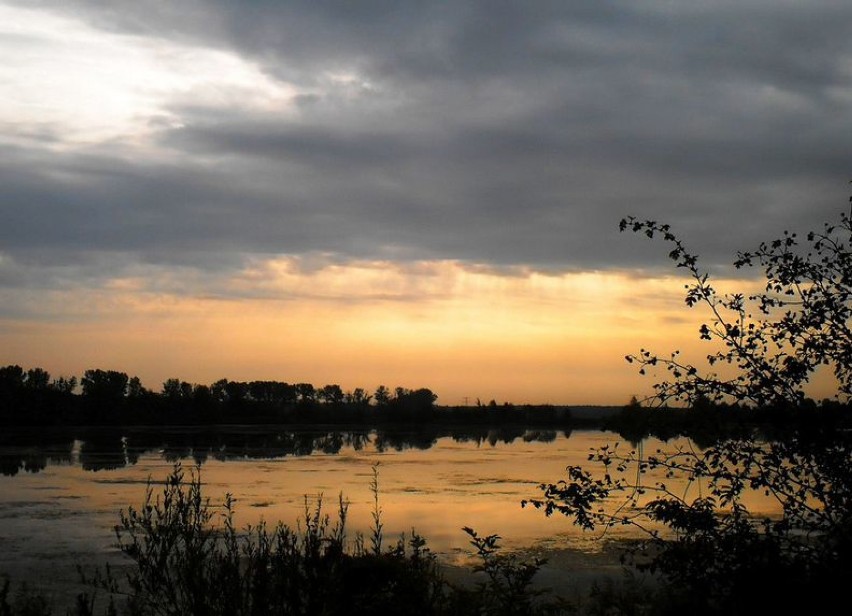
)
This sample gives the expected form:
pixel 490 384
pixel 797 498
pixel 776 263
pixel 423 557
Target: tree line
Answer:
pixel 110 397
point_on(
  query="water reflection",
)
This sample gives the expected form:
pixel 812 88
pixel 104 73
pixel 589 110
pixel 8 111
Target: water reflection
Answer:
pixel 32 452
pixel 63 490
pixel 98 449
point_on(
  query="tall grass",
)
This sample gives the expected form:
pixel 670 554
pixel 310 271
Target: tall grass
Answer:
pixel 187 557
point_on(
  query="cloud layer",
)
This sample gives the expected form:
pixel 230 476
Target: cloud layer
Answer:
pixel 501 134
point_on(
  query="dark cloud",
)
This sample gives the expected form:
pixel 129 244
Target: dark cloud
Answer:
pixel 500 133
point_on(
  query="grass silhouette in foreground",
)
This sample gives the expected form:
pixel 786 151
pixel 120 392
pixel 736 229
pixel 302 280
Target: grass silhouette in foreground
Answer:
pixel 188 558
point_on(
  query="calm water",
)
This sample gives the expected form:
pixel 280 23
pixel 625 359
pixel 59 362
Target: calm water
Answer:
pixel 60 494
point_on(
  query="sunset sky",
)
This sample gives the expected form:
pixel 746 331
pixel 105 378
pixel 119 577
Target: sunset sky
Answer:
pixel 401 193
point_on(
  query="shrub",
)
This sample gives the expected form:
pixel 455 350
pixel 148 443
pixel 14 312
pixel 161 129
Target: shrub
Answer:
pixel 189 559
pixel 715 556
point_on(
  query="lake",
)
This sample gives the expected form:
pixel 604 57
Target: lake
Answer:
pixel 60 492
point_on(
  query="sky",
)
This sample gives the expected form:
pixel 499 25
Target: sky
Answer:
pixel 423 194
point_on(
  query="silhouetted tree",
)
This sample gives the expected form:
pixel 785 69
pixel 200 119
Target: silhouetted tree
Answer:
pixel 414 402
pixel 721 558
pixel 382 395
pixel 172 389
pixel 306 393
pixel 65 385
pixel 288 394
pixel 37 379
pixel 263 391
pixel 104 384
pixel 237 392
pixel 775 339
pixel 331 394
pixel 202 394
pixel 135 388
pixel 218 391
pixel 358 397
pixel 11 378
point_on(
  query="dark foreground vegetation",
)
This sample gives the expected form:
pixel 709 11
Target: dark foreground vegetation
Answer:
pixel 189 558
pixel 717 555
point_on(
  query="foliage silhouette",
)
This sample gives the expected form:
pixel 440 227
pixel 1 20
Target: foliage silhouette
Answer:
pixel 507 589
pixel 774 339
pixel 190 559
pixel 712 554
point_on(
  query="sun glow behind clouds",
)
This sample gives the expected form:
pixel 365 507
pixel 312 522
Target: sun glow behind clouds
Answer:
pixel 62 77
pixel 464 332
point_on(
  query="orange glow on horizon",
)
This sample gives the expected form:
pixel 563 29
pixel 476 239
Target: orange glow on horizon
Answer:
pixel 465 333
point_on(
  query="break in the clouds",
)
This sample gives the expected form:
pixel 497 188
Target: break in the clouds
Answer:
pixel 206 134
